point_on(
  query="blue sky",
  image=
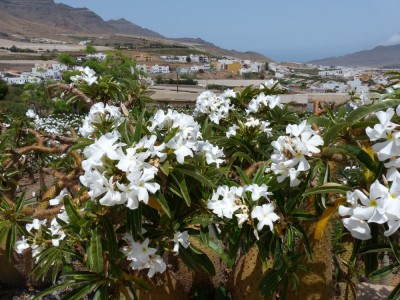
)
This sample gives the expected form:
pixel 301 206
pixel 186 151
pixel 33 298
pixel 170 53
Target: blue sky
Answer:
pixel 285 30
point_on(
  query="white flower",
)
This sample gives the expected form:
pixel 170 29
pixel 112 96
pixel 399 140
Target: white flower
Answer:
pixel 180 238
pixel 229 203
pixel 36 224
pixel 257 191
pixel 182 148
pixel 372 209
pixel 21 245
pixel 393 226
pixel 241 219
pixel 252 122
pixel 138 253
pixel 57 232
pixel 268 84
pixel 385 130
pixel 132 161
pixel 31 114
pixel 232 131
pixel 216 107
pixel 56 200
pixel 145 185
pixel 106 145
pixel 112 196
pixel 265 216
pixel 88 76
pixel 359 229
pixel 156 265
pixel 291 151
pixel 212 153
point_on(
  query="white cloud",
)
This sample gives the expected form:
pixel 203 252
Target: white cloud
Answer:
pixel 392 40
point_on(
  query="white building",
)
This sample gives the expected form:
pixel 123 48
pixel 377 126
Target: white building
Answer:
pixel 98 56
pixel 331 72
pixel 335 86
pixel 157 69
pixel 24 78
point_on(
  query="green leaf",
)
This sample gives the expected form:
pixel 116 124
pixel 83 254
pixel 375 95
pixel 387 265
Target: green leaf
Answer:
pixel 380 273
pixel 80 292
pixel 241 155
pixel 138 128
pixel 333 131
pixel 181 183
pixel 329 187
pixel 270 282
pixel 321 121
pixel 395 294
pixel 95 251
pixel 188 170
pixel 377 248
pixel 222 294
pixel 20 202
pixel 196 260
pixel 10 241
pixel 111 238
pixel 364 111
pixel 71 211
pixel 54 288
pixel 371 259
pixel 394 246
pixel 163 203
pixel 134 222
pixel 355 251
pixel 359 154
pixel 304 239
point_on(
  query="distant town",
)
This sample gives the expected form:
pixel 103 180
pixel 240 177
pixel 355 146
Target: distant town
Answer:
pixel 211 72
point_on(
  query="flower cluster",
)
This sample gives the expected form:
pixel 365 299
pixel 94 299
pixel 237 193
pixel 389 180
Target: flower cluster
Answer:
pixel 55 124
pixel 87 75
pixel 387 134
pixel 252 123
pixel 217 107
pixel 133 178
pixel 263 100
pixel 381 205
pixel 225 201
pixel 187 138
pixel 100 113
pixel 289 157
pixel 39 233
pixel 142 256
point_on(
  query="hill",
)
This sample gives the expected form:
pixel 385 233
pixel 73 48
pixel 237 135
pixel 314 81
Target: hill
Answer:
pixel 47 19
pixel 378 57
pixel 125 27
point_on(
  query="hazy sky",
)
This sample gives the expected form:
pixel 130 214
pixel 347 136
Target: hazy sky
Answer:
pixel 294 30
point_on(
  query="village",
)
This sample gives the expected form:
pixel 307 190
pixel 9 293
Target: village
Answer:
pixel 208 72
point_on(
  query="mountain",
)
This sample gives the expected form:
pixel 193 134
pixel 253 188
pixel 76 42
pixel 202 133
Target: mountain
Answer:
pixel 47 19
pixel 125 27
pixel 378 57
pixel 198 41
pixel 207 46
pixel 58 17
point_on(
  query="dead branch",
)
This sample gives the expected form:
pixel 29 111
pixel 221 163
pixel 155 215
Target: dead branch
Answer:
pixel 70 89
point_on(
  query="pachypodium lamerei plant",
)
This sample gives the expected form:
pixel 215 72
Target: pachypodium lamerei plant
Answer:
pixel 242 170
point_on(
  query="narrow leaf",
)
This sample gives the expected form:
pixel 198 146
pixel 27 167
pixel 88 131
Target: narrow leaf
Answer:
pixel 325 217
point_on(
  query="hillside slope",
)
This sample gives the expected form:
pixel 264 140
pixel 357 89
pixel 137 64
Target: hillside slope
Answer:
pixel 380 57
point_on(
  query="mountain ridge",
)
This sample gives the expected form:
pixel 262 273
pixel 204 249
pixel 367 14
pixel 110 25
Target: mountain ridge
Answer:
pixel 379 57
pixel 47 19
